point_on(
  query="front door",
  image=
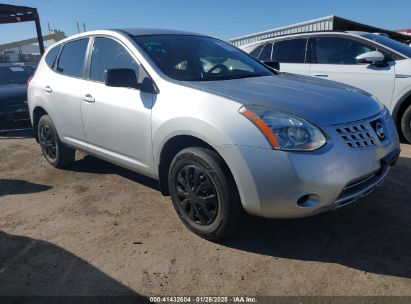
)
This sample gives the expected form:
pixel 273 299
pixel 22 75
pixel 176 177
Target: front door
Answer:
pixel 117 121
pixel 334 59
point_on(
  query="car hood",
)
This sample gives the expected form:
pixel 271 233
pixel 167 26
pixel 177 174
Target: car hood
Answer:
pixel 320 101
pixel 13 92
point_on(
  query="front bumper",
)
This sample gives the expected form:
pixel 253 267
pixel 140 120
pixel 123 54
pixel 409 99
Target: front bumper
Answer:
pixel 364 186
pixel 278 184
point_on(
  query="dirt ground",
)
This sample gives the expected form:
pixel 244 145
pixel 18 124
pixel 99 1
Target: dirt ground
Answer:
pixel 96 229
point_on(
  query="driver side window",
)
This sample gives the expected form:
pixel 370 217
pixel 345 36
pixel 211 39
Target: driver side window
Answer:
pixel 109 54
pixel 337 50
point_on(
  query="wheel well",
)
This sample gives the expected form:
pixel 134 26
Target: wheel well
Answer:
pixel 37 114
pixel 400 111
pixel 171 148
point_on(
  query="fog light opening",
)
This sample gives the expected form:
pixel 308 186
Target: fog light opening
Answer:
pixel 308 200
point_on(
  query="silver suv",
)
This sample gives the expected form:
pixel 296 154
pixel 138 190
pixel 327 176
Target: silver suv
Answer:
pixel 220 131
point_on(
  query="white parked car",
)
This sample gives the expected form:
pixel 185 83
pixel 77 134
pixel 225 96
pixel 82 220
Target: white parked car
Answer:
pixel 371 62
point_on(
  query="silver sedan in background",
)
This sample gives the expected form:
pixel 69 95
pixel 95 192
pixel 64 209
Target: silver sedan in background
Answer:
pixel 221 132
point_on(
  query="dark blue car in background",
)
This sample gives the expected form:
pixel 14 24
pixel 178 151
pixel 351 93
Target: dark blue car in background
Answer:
pixel 13 95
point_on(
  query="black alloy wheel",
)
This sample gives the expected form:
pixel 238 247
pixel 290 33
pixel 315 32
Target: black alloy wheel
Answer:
pixel 198 200
pixel 204 193
pixel 54 150
pixel 48 141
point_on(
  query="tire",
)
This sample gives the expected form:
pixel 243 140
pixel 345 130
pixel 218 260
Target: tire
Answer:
pixel 195 175
pixel 55 152
pixel 406 124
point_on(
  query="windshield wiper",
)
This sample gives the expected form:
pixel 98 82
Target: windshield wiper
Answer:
pixel 227 77
pixel 247 76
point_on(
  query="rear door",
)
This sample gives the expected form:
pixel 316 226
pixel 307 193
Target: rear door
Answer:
pixel 333 58
pixel 63 92
pixel 292 54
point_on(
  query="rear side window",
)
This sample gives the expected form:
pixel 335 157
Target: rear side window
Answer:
pixel 52 55
pixel 336 50
pixel 109 54
pixel 257 51
pixel 265 54
pixel 71 60
pixel 290 51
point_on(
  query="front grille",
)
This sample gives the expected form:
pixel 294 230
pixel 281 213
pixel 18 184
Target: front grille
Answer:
pixel 361 187
pixel 357 184
pixel 358 135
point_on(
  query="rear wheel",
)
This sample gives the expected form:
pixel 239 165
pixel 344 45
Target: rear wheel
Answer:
pixel 203 193
pixel 406 124
pixel 56 153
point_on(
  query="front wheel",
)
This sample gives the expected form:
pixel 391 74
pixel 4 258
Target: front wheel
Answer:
pixel 56 152
pixel 203 193
pixel 406 124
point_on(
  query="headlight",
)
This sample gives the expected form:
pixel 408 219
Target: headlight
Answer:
pixel 388 120
pixel 285 131
pixel 386 115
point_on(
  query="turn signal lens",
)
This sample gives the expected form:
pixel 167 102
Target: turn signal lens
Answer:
pixel 262 126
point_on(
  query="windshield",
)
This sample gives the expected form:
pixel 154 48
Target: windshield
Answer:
pixel 197 58
pixel 393 44
pixel 14 74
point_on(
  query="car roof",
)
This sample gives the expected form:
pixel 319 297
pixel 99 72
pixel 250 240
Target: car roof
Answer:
pixel 311 33
pixel 126 32
pixel 304 34
pixel 315 33
pixel 154 31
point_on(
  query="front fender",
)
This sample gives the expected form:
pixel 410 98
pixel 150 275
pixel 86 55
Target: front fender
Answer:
pixel 188 126
pixel 398 104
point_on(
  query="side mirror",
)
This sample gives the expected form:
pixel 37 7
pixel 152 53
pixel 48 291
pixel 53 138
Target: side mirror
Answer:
pixel 374 57
pixel 126 78
pixel 273 64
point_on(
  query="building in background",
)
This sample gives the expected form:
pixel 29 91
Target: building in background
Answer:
pixel 27 51
pixel 329 23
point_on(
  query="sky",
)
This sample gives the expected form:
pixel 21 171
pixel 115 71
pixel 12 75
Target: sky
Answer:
pixel 221 18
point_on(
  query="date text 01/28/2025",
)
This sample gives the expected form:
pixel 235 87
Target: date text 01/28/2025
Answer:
pixel 203 299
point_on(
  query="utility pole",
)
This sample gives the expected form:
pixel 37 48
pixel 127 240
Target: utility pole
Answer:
pixel 84 26
pixel 38 30
pixel 78 28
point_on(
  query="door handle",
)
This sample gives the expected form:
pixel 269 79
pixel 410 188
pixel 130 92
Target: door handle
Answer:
pixel 321 75
pixel 88 98
pixel 47 89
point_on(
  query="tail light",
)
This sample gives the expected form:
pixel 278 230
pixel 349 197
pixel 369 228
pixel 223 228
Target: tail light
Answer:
pixel 27 84
pixel 28 80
